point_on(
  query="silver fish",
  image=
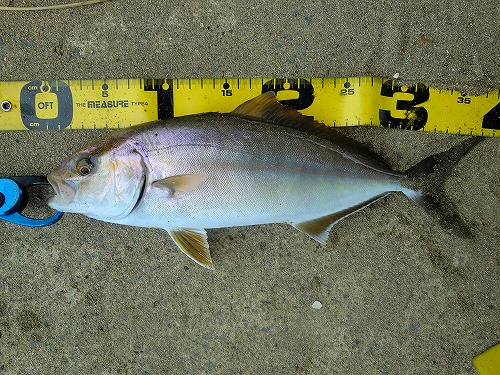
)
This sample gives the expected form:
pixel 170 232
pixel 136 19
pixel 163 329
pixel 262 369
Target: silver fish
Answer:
pixel 262 163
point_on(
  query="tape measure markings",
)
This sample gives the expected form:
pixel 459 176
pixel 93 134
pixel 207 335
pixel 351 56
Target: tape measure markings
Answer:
pixel 345 101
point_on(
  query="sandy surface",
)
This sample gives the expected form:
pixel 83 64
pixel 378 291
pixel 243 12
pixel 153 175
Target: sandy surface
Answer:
pixel 399 293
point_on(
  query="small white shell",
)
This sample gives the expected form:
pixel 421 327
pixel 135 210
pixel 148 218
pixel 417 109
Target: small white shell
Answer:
pixel 317 305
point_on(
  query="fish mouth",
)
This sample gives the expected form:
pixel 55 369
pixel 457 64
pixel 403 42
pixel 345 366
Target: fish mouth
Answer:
pixel 63 193
pixel 54 184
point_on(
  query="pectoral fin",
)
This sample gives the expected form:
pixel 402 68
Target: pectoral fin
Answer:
pixel 180 184
pixel 319 228
pixel 193 243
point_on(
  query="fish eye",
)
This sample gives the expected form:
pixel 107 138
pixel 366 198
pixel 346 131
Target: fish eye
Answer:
pixel 84 166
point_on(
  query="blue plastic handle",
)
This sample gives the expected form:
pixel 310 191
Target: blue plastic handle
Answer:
pixel 13 197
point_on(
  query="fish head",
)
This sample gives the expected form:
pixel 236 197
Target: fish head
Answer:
pixel 104 181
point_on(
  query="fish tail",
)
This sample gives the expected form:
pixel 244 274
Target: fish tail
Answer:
pixel 425 183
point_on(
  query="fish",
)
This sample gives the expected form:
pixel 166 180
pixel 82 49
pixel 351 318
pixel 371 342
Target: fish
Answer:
pixel 262 163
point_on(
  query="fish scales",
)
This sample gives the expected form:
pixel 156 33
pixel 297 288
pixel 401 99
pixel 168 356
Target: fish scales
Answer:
pixel 256 174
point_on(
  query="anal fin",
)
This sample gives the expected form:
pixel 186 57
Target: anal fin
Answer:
pixel 193 243
pixel 319 228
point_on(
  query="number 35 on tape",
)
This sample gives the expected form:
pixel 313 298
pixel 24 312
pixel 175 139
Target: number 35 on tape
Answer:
pixel 350 101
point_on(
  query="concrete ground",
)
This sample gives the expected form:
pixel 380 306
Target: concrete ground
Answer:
pixel 400 295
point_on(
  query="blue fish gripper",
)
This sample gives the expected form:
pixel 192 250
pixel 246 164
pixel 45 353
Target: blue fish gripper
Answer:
pixel 14 197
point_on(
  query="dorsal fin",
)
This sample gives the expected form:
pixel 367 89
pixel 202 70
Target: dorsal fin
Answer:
pixel 266 107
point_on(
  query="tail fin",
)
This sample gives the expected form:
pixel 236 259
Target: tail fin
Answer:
pixel 427 180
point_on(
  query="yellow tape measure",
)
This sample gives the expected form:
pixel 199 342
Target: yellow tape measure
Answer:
pixel 350 101
pixel 488 363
